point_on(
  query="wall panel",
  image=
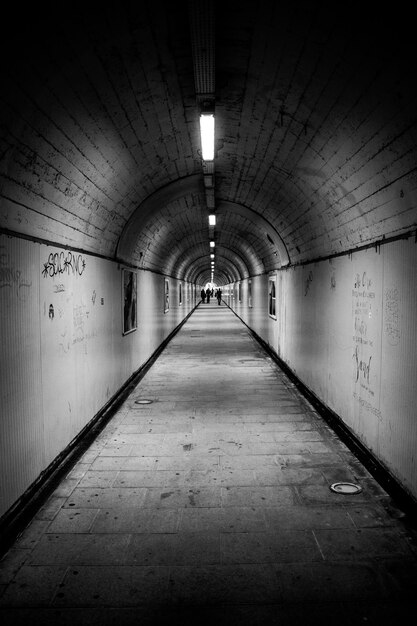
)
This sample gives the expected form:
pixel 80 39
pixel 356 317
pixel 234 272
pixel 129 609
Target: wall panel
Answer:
pixel 399 361
pixel 22 454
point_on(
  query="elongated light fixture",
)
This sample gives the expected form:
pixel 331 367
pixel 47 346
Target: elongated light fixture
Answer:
pixel 212 219
pixel 212 244
pixel 207 136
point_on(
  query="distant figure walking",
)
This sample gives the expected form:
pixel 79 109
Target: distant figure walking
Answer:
pixel 203 295
pixel 219 296
pixel 208 294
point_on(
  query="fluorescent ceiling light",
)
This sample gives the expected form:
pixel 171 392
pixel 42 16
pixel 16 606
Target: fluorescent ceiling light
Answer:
pixel 211 244
pixel 211 256
pixel 207 136
pixel 212 219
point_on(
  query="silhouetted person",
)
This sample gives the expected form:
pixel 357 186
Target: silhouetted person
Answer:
pixel 203 295
pixel 208 294
pixel 219 296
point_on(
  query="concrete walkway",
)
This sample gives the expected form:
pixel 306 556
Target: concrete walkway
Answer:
pixel 211 505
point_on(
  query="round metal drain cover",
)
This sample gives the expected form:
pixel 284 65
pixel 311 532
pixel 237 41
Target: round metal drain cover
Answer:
pixel 143 401
pixel 346 488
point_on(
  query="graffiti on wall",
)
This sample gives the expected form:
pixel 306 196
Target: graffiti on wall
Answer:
pixel 363 358
pixel 11 277
pixel 363 297
pixel 64 262
pixel 81 333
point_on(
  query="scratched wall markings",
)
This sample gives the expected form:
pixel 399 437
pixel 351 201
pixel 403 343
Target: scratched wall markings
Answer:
pixel 363 297
pixel 392 316
pixel 80 333
pixel 13 278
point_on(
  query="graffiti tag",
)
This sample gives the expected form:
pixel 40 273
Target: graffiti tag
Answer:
pixel 363 368
pixel 63 263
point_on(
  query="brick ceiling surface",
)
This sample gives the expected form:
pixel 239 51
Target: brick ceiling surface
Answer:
pixel 316 133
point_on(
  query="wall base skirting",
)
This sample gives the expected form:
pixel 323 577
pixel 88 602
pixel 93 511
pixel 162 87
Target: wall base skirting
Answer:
pixel 13 522
pixel 403 499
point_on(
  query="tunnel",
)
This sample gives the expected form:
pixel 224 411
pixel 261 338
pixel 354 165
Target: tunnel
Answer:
pixel 115 215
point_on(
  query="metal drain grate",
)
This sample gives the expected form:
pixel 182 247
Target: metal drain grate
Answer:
pixel 347 489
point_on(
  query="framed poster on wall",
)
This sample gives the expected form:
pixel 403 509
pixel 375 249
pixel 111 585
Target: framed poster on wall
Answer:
pixel 272 297
pixel 166 295
pixel 129 295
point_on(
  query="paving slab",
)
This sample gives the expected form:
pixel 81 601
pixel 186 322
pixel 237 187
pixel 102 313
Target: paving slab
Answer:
pixel 231 519
pixel 212 505
pixel 138 521
pixel 83 549
pixel 124 585
pixel 72 521
pixel 280 546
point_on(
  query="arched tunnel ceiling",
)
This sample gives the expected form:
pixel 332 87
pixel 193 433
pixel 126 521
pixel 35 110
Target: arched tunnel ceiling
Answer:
pixel 316 133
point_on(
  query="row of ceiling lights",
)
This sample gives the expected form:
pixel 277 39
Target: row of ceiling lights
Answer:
pixel 207 132
pixel 202 30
